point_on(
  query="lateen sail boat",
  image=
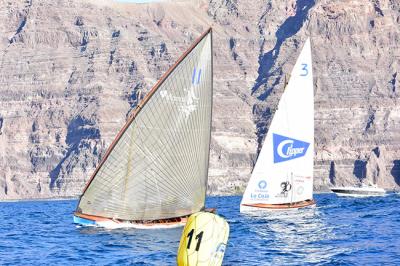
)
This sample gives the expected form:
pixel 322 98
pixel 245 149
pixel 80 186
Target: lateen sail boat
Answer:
pixel 283 175
pixel 155 172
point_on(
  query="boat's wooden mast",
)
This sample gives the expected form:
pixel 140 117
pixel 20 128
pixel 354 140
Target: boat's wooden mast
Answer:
pixel 212 92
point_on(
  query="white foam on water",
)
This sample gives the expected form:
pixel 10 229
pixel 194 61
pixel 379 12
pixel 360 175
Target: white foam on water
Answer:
pixel 117 225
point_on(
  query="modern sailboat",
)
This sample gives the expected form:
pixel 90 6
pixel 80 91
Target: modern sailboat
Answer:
pixel 282 177
pixel 154 174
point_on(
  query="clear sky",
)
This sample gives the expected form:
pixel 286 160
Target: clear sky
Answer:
pixel 137 1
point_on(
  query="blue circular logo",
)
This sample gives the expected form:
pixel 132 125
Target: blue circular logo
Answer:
pixel 262 184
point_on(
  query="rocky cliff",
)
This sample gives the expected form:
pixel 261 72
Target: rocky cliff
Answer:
pixel 71 71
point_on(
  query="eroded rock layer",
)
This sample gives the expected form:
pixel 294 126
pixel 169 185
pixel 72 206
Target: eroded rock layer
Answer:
pixel 71 72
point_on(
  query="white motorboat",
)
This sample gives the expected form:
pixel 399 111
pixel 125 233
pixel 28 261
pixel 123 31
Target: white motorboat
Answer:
pixel 359 191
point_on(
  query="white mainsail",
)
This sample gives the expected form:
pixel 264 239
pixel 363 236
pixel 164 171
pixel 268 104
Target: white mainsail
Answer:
pixel 284 169
pixel 157 166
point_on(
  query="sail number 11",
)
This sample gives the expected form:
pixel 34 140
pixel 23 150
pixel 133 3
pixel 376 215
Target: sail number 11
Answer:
pixel 199 236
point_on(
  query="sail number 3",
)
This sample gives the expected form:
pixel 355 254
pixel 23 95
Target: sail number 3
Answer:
pixel 304 69
pixel 199 236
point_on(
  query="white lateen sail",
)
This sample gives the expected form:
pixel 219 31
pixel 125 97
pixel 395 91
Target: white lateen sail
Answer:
pixel 157 166
pixel 283 174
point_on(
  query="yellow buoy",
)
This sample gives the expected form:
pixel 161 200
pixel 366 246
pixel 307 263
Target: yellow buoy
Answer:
pixel 203 240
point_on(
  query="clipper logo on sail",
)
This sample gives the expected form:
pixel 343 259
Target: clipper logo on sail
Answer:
pixel 286 148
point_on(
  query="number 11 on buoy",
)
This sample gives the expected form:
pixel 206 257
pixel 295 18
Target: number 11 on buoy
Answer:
pixel 203 240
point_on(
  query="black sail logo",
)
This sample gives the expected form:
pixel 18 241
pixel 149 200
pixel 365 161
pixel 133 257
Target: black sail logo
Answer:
pixel 286 187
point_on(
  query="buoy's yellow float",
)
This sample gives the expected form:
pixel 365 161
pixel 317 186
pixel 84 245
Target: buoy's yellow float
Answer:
pixel 203 240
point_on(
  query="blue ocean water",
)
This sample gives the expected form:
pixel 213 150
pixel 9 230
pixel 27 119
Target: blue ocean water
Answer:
pixel 340 231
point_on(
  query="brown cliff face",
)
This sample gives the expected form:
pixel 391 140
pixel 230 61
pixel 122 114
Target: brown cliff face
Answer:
pixel 70 73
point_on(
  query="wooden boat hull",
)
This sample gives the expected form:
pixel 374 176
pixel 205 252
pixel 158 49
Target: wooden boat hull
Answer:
pixel 276 207
pixel 91 220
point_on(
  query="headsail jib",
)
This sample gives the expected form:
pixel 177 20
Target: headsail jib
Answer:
pixel 157 166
